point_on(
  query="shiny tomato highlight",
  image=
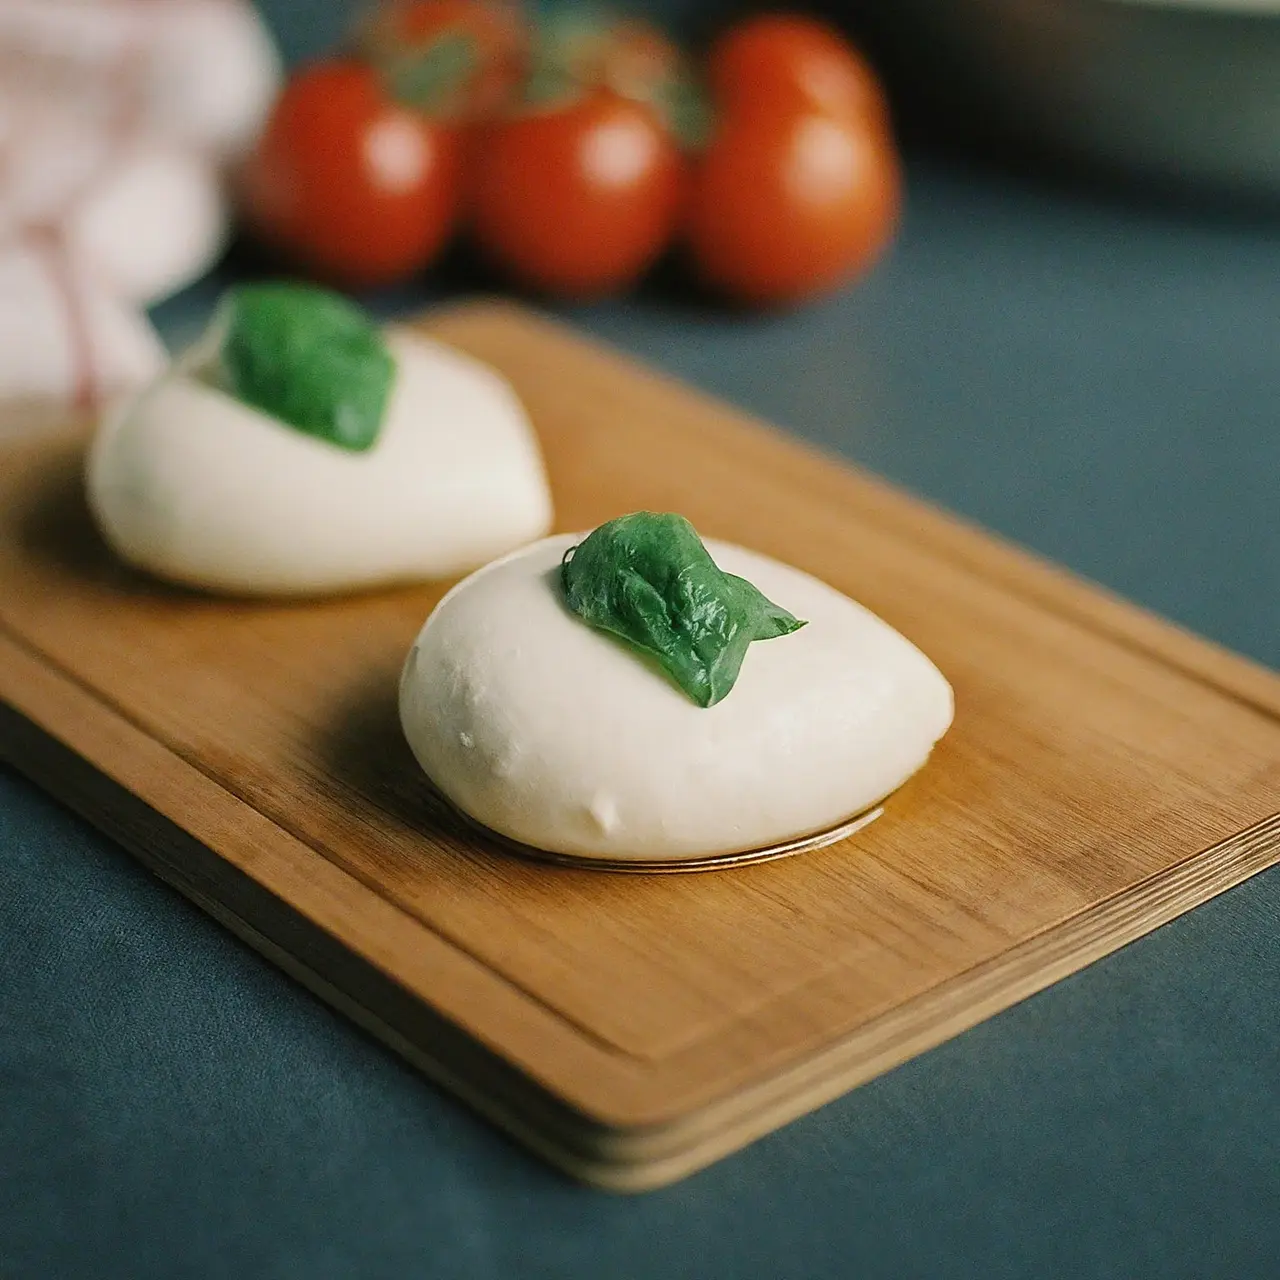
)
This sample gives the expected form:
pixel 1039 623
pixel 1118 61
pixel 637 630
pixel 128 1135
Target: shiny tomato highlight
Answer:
pixel 577 200
pixel 349 185
pixel 789 205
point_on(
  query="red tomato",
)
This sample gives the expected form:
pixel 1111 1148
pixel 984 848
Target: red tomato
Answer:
pixel 789 63
pixel 578 200
pixel 788 205
pixel 351 186
pixel 455 59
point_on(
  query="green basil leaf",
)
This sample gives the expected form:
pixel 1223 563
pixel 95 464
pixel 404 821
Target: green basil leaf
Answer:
pixel 308 357
pixel 648 579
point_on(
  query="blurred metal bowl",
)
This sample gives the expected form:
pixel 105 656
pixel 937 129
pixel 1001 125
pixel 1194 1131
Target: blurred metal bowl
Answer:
pixel 1167 90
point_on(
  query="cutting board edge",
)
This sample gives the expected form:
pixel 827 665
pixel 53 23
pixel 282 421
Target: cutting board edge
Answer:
pixel 649 1153
pixel 645 1155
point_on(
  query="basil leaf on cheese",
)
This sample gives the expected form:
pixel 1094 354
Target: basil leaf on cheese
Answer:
pixel 648 579
pixel 310 358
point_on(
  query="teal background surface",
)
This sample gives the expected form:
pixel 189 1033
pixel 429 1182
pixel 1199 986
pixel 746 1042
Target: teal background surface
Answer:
pixel 1096 378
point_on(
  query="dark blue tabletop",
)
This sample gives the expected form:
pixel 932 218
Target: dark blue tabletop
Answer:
pixel 1097 380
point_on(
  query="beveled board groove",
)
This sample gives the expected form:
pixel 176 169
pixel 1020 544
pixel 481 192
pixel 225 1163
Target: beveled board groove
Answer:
pixel 1106 772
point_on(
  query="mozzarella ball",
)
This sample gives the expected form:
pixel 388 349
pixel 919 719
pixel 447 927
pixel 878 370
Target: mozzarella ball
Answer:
pixel 191 484
pixel 560 737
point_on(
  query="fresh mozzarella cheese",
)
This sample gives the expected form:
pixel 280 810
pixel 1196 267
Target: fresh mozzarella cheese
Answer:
pixel 197 487
pixel 558 736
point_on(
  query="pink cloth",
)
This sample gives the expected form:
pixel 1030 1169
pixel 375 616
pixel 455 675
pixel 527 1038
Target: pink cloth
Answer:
pixel 117 121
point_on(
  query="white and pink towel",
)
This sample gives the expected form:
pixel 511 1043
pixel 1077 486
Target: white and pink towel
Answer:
pixel 119 120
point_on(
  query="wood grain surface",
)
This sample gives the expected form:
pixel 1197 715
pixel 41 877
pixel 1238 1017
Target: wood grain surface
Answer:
pixel 1105 772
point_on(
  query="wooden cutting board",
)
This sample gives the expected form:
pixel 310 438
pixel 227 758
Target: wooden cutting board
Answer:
pixel 1105 773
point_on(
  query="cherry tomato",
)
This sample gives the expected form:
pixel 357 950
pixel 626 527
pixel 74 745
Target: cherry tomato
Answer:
pixel 454 59
pixel 578 200
pixel 348 184
pixel 788 205
pixel 789 63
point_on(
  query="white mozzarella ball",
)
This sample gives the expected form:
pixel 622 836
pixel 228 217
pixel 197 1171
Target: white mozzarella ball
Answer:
pixel 556 735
